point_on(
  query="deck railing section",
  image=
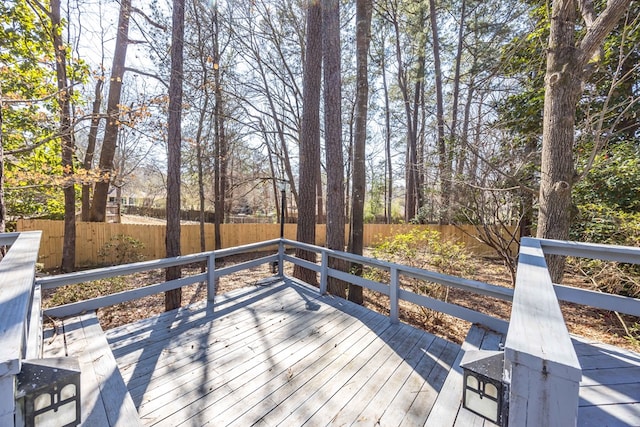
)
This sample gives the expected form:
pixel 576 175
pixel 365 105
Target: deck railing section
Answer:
pixel 19 315
pixel 540 362
pixel 210 276
pixel 393 289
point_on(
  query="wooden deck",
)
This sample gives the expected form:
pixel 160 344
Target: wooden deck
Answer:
pixel 280 354
pixel 610 386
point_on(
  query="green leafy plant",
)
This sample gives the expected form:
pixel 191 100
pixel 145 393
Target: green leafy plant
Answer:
pixel 423 248
pixel 121 249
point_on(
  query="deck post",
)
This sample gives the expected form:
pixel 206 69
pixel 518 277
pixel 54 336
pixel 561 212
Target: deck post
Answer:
pixel 324 272
pixel 17 275
pixel 541 365
pixel 281 258
pixel 212 279
pixel 394 287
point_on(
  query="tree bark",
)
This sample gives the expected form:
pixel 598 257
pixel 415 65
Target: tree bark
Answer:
pixel 221 158
pixel 91 148
pixel 444 167
pixel 173 298
pixel 363 37
pixel 3 207
pixel 110 139
pixel 387 141
pixel 564 78
pixel 66 136
pixel 333 138
pixel 309 140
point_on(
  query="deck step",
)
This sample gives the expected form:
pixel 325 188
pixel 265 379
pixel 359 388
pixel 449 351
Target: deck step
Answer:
pixel 450 397
pixel 104 398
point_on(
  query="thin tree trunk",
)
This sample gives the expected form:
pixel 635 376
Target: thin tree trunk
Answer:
pixel 356 240
pixel 173 298
pixel 387 137
pixel 443 161
pixel 453 134
pixel 220 169
pixel 91 148
pixel 310 140
pixel 66 136
pixel 110 139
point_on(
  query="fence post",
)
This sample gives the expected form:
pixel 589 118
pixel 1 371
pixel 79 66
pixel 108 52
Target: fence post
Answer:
pixel 394 286
pixel 212 277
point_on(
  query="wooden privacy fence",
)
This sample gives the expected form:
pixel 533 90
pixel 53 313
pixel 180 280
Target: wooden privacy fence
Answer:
pixel 92 236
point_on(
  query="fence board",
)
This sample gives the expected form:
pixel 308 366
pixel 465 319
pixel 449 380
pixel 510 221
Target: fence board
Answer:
pixel 92 236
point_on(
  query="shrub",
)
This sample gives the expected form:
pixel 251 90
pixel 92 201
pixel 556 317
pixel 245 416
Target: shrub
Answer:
pixel 121 249
pixel 423 248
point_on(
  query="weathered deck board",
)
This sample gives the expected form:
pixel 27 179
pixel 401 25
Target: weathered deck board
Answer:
pixel 448 410
pixel 610 386
pixel 104 398
pixel 279 355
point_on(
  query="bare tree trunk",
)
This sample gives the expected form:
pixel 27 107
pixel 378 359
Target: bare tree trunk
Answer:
pixel 411 171
pixel 173 298
pixel 91 148
pixel 221 158
pixel 200 141
pixel 320 215
pixel 310 140
pixel 356 241
pixel 453 134
pixel 333 138
pixel 565 75
pixel 66 136
pixel 387 137
pixel 3 207
pixel 110 140
pixel 444 167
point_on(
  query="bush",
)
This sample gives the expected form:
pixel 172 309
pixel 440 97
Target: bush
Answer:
pixel 121 249
pixel 423 249
pixel 597 223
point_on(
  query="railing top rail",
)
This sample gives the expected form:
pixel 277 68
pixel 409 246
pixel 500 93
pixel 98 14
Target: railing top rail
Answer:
pixel 417 273
pixel 538 336
pixel 591 250
pixel 120 270
pixel 7 239
pixel 17 271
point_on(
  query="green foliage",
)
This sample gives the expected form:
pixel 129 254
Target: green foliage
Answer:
pixel 121 249
pixel 30 109
pixel 599 223
pixel 614 180
pixel 425 248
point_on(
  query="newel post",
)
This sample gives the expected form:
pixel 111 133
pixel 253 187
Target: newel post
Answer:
pixel 541 365
pixel 394 288
pixel 212 278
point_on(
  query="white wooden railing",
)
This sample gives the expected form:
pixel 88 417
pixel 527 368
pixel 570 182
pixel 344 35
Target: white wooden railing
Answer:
pixel 540 362
pixel 19 313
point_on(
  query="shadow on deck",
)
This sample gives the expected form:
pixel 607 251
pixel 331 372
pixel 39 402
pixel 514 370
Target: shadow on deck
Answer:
pixel 281 354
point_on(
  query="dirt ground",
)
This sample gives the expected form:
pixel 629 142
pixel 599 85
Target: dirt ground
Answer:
pixel 595 324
